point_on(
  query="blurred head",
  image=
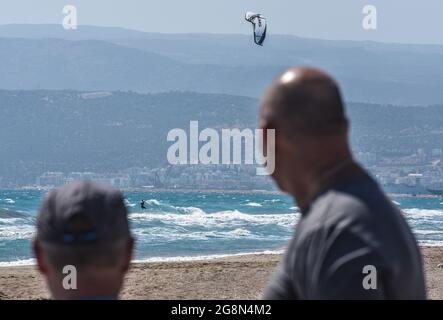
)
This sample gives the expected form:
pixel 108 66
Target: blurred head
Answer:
pixel 83 245
pixel 305 108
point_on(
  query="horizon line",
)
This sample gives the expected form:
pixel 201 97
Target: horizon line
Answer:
pixel 228 34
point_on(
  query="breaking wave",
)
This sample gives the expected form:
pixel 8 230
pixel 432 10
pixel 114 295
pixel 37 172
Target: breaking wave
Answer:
pixel 16 232
pixel 253 204
pixel 191 216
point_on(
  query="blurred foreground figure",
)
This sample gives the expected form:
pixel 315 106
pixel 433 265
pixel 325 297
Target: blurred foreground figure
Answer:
pixel 351 242
pixel 83 245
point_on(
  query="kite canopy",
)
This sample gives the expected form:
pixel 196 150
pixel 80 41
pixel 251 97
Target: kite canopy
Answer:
pixel 260 26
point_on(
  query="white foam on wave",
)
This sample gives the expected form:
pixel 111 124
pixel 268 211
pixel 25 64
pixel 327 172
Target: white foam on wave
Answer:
pixel 17 263
pixel 129 204
pixel 207 257
pixel 396 203
pixel 189 210
pixel 192 210
pixel 16 232
pixel 253 204
pixel 273 200
pixel 165 234
pixel 428 232
pixel 9 201
pixel 423 213
pixel 10 220
pixel 152 202
pixel 196 216
pixel 431 243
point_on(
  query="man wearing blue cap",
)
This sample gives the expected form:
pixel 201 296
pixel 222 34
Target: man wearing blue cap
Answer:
pixel 83 244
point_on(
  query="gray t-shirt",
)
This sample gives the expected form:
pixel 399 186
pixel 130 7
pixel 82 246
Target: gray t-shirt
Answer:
pixel 348 230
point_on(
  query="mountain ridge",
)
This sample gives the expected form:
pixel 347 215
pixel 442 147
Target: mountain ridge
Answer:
pixel 67 131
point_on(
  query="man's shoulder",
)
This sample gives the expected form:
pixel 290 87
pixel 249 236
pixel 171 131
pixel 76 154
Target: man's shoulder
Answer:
pixel 337 214
pixel 337 207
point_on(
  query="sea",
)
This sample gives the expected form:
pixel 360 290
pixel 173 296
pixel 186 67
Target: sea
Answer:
pixel 200 225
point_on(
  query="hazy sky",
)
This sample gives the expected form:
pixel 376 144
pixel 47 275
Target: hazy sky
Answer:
pixel 413 21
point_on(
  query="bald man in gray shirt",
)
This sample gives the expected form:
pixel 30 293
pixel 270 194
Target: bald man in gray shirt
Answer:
pixel 351 242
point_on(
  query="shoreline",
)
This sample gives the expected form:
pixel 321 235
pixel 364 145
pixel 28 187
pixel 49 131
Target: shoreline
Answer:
pixel 236 278
pixel 177 259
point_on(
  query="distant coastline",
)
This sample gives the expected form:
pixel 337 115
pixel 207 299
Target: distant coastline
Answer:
pixel 219 191
pixel 165 190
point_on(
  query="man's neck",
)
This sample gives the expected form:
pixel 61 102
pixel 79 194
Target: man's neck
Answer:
pixel 86 297
pixel 88 288
pixel 321 179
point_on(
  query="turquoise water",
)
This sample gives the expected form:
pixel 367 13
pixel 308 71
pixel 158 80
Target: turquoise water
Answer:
pixel 199 224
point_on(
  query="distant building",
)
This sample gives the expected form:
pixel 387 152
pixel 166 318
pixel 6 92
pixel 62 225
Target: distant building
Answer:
pixel 55 179
pixel 436 152
pixel 51 179
pixel 366 158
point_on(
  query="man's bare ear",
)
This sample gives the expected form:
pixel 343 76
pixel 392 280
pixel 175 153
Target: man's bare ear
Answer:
pixel 265 125
pixel 281 141
pixel 38 254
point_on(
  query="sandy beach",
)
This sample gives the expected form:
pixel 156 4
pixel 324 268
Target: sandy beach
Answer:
pixel 238 277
